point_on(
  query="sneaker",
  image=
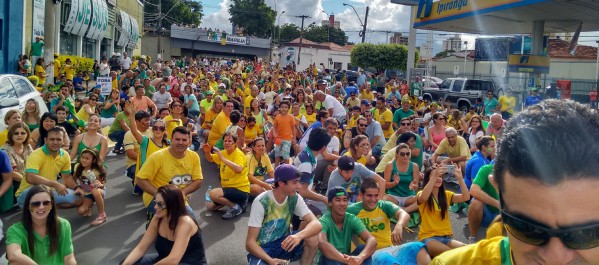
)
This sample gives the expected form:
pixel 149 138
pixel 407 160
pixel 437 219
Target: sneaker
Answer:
pixel 233 212
pixel 245 205
pixel 471 240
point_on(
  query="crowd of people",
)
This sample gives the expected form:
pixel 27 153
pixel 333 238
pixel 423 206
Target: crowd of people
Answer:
pixel 316 163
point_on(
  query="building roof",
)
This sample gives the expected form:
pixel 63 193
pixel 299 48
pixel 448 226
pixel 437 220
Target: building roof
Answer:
pixel 323 45
pixel 558 48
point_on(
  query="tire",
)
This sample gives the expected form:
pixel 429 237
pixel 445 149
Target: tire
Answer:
pixel 463 107
pixel 425 97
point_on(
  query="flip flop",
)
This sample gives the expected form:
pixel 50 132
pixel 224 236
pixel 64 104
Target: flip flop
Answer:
pixel 99 220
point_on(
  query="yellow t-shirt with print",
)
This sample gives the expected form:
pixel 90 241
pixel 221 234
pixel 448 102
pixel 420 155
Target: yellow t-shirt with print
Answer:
pixel 228 177
pixel 432 224
pixel 259 167
pixel 40 162
pixel 494 251
pixel 382 118
pixel 361 160
pixel 353 122
pixel 507 102
pixel 170 126
pixel 251 133
pixel 162 168
pixel 376 221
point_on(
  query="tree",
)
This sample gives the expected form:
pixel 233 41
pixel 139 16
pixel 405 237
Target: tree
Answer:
pixel 253 16
pixel 444 54
pixel 326 34
pixel 173 11
pixel 381 56
pixel 287 33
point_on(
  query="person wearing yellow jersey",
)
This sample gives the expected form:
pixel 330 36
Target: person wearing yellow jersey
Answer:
pixel 360 151
pixel 174 165
pixel 310 114
pixel 248 99
pixel 376 215
pixel 507 103
pixel 433 203
pixel 384 116
pixel 57 67
pixel 366 93
pixel 353 120
pixel 220 123
pixel 40 72
pixel 174 119
pixel 233 175
pixel 69 69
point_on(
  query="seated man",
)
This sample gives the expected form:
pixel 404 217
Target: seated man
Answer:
pixel 42 168
pixel 338 228
pixel 269 239
pixel 484 207
pixel 376 215
pixel 455 147
pixel 349 175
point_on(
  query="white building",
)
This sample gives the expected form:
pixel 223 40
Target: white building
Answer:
pixel 327 53
pixel 331 22
pixel 426 51
pixel 453 43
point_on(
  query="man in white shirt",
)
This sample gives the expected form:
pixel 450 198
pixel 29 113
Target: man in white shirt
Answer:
pixel 325 162
pixel 162 98
pixel 333 106
pixel 126 62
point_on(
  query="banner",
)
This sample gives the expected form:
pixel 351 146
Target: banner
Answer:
pixel 68 27
pixel 122 29
pixel 102 21
pixel 87 13
pixel 93 23
pixel 134 33
pixel 39 7
pixel 79 18
pixel 105 84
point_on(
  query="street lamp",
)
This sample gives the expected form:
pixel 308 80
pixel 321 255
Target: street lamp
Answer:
pixel 279 17
pixel 328 27
pixel 465 56
pixel 363 24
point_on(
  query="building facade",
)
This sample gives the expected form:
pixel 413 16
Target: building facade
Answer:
pixel 329 54
pixel 398 38
pixel 453 43
pixel 11 18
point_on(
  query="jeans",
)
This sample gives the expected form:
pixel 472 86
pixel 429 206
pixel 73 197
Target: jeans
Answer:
pixel 150 259
pixel 118 137
pixel 69 198
pixel 325 261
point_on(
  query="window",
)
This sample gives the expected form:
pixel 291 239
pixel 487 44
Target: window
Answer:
pixel 6 89
pixel 457 85
pixel 22 87
pixel 473 85
pixel 68 43
pixel 337 65
pixel 445 85
pixel 88 48
pixel 1 34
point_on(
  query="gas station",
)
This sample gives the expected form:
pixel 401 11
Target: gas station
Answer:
pixel 506 17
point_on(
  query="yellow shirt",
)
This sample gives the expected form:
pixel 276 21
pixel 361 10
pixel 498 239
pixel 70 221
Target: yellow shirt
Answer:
pixel 246 102
pixel 40 69
pixel 150 149
pixel 350 103
pixel 390 144
pixel 460 149
pixel 432 224
pixel 219 126
pixel 170 126
pixel 495 251
pixel 208 118
pixel 40 162
pixel 507 103
pixel 259 169
pixel 495 229
pixel 366 95
pixel 162 168
pixel 130 143
pixel 310 118
pixel 353 122
pixel 115 84
pixel 57 66
pixel 228 177
pixel 3 137
pixel 361 160
pixel 382 118
pixel 82 115
pixel 69 71
pixel 251 133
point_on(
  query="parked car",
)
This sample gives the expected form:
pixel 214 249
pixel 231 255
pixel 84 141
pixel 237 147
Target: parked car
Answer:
pixel 15 91
pixel 460 92
pixel 437 81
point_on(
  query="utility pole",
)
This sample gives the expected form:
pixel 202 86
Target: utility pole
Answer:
pixel 159 29
pixel 299 56
pixel 365 22
pixel 49 39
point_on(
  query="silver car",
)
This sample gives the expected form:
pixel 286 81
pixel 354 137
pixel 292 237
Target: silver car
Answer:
pixel 15 91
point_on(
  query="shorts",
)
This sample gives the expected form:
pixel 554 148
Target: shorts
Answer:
pixel 404 254
pixel 283 150
pixel 91 196
pixel 401 201
pixel 274 250
pixel 235 196
pixel 69 198
pixel 443 239
pixel 488 216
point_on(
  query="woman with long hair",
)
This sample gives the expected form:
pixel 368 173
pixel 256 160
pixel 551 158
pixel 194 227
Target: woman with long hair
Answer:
pixel 402 177
pixel 475 131
pixel 300 98
pixel 257 113
pixel 360 150
pixel 11 117
pixel 234 128
pixel 18 149
pixel 436 133
pixel 433 204
pixel 259 167
pixel 111 108
pixel 176 236
pixel 91 139
pixel 31 114
pixel 40 72
pixel 41 237
pixel 87 109
pixel 47 122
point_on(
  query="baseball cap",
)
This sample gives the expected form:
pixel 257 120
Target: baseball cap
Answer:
pixel 286 172
pixel 222 85
pixel 209 92
pixel 321 82
pixel 533 88
pixel 365 102
pixel 346 163
pixel 336 192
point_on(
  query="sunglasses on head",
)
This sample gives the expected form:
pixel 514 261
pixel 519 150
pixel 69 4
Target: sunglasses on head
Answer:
pixel 536 234
pixel 158 128
pixel 39 203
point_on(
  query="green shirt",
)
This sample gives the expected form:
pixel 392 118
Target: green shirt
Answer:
pixel 482 180
pixel 17 234
pixel 150 90
pixel 116 125
pixel 36 48
pixel 399 114
pixel 341 240
pixel 109 113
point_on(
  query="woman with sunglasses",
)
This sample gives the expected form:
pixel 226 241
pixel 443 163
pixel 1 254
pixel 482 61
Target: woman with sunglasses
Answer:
pixel 41 237
pixel 433 204
pixel 18 150
pixel 11 117
pixel 258 167
pixel 91 139
pixel 175 234
pixel 402 177
pixel 360 150
pixel 436 133
pixel 87 109
pixel 147 145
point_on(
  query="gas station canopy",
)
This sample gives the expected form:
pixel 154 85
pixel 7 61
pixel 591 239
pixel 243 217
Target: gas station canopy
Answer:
pixel 496 17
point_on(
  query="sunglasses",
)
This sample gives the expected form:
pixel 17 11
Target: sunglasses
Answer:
pixel 158 128
pixel 404 154
pixel 176 106
pixel 536 234
pixel 441 119
pixel 362 125
pixel 20 133
pixel 405 124
pixel 39 203
pixel 160 205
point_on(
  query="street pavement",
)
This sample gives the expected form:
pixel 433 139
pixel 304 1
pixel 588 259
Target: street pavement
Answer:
pixel 110 243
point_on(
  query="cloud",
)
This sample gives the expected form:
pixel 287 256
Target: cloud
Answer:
pixel 220 19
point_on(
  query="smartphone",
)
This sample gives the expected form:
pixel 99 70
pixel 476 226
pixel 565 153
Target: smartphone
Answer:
pixel 450 169
pixel 420 120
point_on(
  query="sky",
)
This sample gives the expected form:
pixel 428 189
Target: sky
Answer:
pixel 383 16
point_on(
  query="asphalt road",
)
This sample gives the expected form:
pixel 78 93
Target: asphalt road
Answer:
pixel 111 242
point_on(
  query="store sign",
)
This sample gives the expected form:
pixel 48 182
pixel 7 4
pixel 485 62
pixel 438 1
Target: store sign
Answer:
pixel 89 16
pixel 68 27
pixel 39 7
pixel 238 40
pixel 85 16
pixel 528 63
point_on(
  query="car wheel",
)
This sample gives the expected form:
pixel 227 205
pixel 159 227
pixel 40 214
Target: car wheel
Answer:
pixel 464 107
